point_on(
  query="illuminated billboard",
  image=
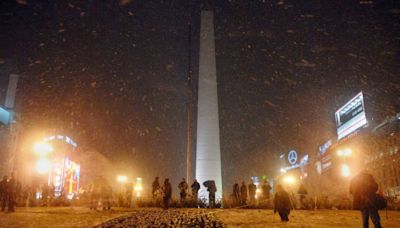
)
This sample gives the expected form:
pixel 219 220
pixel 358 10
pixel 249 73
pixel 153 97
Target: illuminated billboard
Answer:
pixel 351 116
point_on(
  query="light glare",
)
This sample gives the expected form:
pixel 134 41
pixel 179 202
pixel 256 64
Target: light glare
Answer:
pixel 289 180
pixel 346 170
pixel 42 148
pixel 43 166
pixel 121 178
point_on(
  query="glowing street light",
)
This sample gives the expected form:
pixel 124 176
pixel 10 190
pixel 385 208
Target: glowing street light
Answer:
pixel 43 166
pixel 122 179
pixel 138 186
pixel 344 153
pixel 289 180
pixel 345 170
pixel 42 149
pixel 347 152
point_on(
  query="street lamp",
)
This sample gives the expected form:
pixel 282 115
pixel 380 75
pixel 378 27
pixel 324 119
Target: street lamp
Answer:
pixel 289 180
pixel 122 179
pixel 344 153
pixel 42 149
pixel 138 186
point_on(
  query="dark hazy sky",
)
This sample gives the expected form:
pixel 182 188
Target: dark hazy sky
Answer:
pixel 112 74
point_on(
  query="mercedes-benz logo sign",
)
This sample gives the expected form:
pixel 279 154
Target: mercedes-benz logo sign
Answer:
pixel 292 157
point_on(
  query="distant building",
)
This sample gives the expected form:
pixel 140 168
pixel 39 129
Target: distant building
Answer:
pixel 384 155
pixel 377 149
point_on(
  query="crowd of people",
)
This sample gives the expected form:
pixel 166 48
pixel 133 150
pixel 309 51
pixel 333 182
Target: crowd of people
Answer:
pixel 8 192
pixel 164 191
pixel 363 187
pixel 244 194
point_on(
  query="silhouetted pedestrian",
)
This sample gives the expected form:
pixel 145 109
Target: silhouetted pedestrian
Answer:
pixel 282 203
pixel 266 189
pixel 167 193
pixel 155 187
pixel 363 187
pixel 183 187
pixel 11 193
pixel 212 189
pixel 236 193
pixel 252 192
pixel 3 192
pixel 195 189
pixel 106 194
pixel 243 193
pixel 302 194
pixel 95 192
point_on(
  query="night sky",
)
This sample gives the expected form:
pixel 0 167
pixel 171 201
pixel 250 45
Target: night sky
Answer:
pixel 113 75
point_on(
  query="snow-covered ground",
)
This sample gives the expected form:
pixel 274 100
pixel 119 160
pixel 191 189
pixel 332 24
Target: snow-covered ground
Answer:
pixel 83 217
pixel 301 218
pixel 37 217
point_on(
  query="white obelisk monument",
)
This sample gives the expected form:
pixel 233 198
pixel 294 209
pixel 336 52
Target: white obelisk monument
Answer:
pixel 208 154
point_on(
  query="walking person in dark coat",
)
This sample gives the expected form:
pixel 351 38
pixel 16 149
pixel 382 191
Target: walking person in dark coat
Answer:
pixel 363 187
pixel 167 193
pixel 195 189
pixel 3 192
pixel 243 193
pixel 282 203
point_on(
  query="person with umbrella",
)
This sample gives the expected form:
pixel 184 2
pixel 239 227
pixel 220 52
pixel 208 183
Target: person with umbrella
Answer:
pixel 212 189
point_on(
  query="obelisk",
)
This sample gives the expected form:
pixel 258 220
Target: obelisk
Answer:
pixel 208 154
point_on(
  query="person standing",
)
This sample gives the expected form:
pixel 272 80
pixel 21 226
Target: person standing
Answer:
pixel 282 203
pixel 183 187
pixel 3 192
pixel 155 187
pixel 128 194
pixel 95 192
pixel 266 188
pixel 195 189
pixel 106 194
pixel 302 193
pixel 167 193
pixel 243 193
pixel 252 192
pixel 363 187
pixel 211 194
pixel 236 193
pixel 11 193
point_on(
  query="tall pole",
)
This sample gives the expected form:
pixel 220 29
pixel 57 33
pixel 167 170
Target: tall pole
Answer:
pixel 189 100
pixel 10 104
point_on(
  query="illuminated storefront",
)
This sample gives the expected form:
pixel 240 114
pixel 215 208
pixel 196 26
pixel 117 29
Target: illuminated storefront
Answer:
pixel 64 177
pixel 58 158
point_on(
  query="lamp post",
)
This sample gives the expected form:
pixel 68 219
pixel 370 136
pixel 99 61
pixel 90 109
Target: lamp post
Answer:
pixel 42 150
pixel 345 168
